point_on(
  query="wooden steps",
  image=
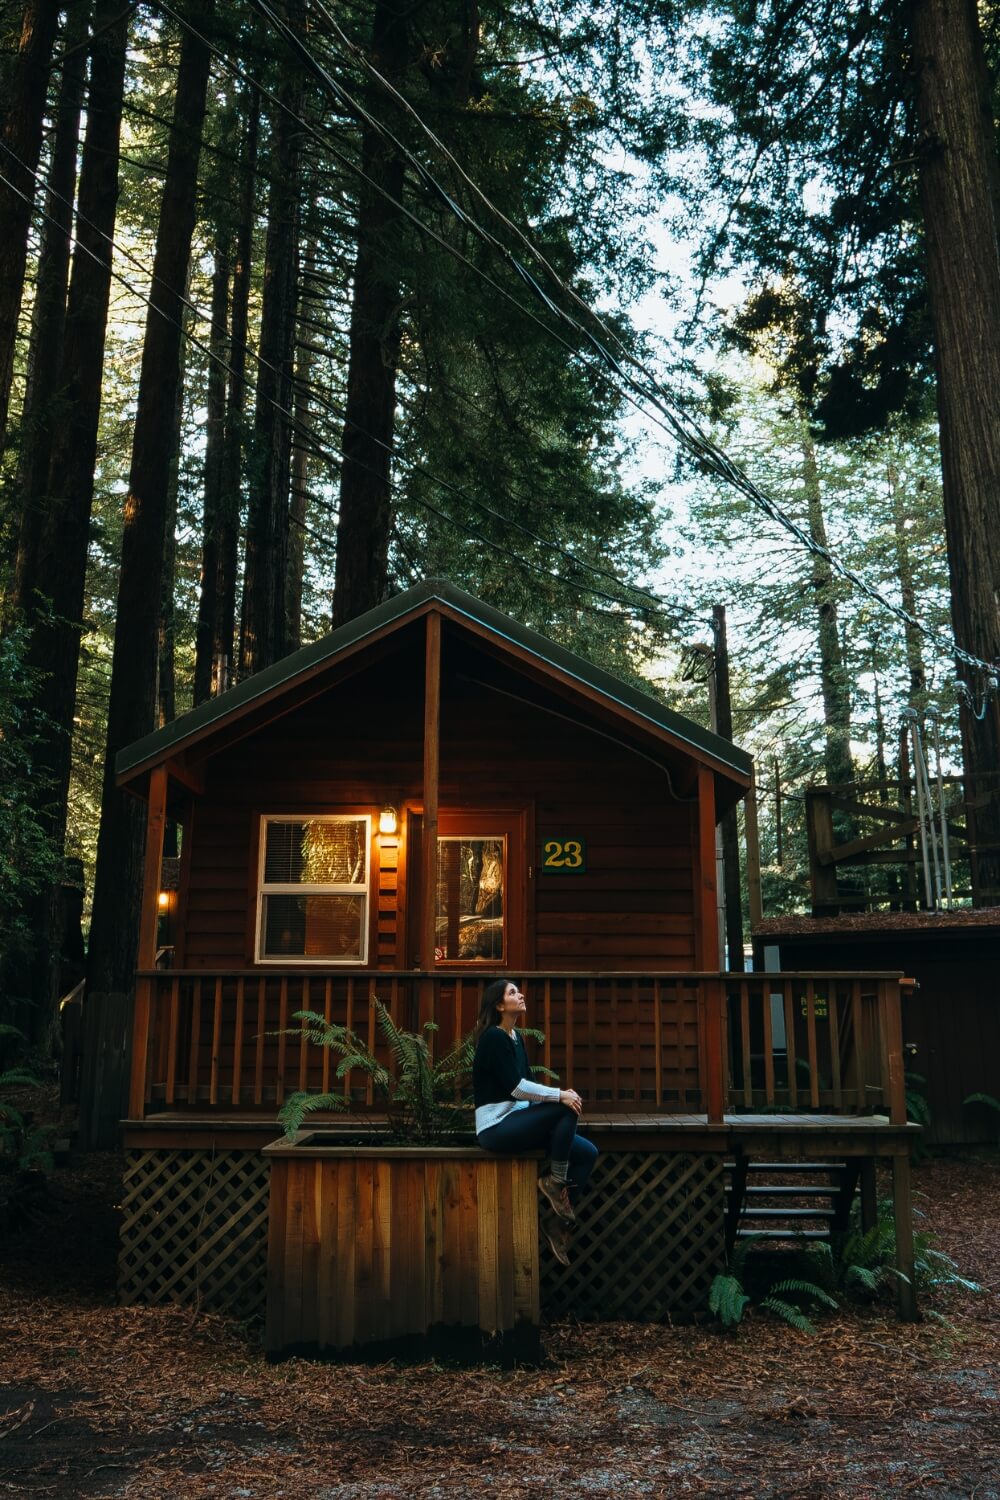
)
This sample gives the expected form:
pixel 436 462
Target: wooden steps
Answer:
pixel 816 1207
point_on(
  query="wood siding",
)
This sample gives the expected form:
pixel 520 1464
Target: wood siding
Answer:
pixel 359 745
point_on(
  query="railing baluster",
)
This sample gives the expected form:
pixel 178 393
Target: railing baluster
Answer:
pixel 658 1039
pixel 766 1019
pixel 303 1039
pixel 811 1043
pixel 616 1085
pixel 213 1086
pixel 238 1044
pixel 569 1082
pixel 349 1023
pixel 745 1039
pixel 279 1088
pixel 327 1013
pixel 860 1061
pixel 195 1054
pixel 173 1023
pixel 790 1058
pixel 592 1049
pixel 636 1064
pixel 833 1022
pixel 369 1086
pixel 547 1024
pixel 258 1067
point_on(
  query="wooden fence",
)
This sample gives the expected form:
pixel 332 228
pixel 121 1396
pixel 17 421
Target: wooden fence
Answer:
pixel 676 1043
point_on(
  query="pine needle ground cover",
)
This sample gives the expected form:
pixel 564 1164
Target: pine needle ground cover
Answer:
pixel 102 1401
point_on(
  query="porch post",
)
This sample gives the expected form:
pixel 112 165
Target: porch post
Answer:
pixel 902 1209
pixel 706 901
pixel 432 751
pixel 156 818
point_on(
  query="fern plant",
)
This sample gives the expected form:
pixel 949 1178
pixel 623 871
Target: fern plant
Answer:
pixel 866 1266
pixel 422 1096
pixel 790 1299
pixel 990 1102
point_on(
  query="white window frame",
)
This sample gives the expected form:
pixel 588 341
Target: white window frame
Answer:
pixel 312 889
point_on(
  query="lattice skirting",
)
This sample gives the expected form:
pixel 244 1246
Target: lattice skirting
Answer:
pixel 650 1239
pixel 194 1230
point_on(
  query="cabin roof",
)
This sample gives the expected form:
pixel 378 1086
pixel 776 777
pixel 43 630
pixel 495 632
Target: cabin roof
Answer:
pixel 456 604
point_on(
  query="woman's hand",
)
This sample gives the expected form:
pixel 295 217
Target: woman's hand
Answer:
pixel 571 1098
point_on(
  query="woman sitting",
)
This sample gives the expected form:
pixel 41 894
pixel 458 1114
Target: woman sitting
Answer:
pixel 514 1113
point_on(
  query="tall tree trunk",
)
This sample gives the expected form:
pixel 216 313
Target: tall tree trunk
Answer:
pixel 365 518
pixel 234 431
pixel 833 677
pixel 298 505
pixel 212 538
pixel 904 572
pixel 262 631
pixel 958 173
pixel 166 664
pixel 132 705
pixel 22 143
pixel 62 547
pixel 49 314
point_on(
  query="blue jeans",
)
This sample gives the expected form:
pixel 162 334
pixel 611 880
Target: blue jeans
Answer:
pixel 551 1127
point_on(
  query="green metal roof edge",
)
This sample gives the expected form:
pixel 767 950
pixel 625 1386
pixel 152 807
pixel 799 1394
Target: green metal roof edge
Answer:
pixel 216 710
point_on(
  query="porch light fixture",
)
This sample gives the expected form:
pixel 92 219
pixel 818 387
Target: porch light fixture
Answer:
pixel 163 900
pixel 387 819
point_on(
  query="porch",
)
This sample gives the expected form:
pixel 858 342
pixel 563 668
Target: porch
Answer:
pixel 689 1080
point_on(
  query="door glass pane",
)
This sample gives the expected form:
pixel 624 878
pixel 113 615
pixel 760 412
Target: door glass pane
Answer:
pixel 470 899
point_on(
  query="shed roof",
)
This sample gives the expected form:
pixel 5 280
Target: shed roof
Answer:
pixel 455 604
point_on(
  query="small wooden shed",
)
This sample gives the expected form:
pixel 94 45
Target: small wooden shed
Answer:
pixel 429 796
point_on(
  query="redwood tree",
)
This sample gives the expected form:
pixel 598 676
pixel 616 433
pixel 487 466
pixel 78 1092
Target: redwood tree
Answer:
pixel 133 700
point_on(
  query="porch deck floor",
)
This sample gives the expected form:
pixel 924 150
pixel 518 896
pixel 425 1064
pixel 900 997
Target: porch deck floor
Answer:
pixel 784 1135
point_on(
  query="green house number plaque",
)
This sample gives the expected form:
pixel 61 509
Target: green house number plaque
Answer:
pixel 564 856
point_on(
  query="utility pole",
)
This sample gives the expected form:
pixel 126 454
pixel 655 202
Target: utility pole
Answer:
pixel 722 723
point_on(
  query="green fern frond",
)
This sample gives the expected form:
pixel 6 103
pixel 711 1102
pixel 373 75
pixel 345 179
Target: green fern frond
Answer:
pixel 793 1316
pixel 795 1287
pixel 298 1105
pixel 727 1300
pixel 19 1078
pixel 986 1099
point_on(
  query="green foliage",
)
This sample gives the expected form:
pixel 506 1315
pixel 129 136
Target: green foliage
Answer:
pixel 866 1268
pixel 422 1096
pixel 788 1299
pixel 29 856
pixel 989 1102
pixel 917 1107
pixel 24 1146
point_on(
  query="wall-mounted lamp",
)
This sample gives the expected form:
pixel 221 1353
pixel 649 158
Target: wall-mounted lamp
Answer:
pixel 163 900
pixel 387 819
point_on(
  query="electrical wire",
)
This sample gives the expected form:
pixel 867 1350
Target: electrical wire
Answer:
pixel 677 422
pixel 644 599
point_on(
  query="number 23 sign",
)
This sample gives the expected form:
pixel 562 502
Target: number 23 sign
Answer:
pixel 564 856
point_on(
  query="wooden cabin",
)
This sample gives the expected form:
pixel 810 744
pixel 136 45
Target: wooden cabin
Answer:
pixel 428 797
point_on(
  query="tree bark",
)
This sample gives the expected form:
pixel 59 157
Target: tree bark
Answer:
pixel 833 677
pixel 263 623
pixel 132 705
pixel 22 144
pixel 212 533
pixel 904 572
pixel 49 314
pixel 295 569
pixel 365 519
pixel 958 171
pixel 234 431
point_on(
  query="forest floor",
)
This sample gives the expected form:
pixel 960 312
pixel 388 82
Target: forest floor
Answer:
pixel 98 1400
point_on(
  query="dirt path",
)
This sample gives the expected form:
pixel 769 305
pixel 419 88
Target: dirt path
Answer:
pixel 102 1401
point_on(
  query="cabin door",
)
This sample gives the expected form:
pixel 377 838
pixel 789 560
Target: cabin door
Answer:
pixel 481 915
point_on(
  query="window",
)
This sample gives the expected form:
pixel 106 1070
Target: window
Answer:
pixel 313 890
pixel 470 899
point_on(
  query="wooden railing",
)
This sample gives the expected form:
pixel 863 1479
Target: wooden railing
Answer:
pixel 630 1043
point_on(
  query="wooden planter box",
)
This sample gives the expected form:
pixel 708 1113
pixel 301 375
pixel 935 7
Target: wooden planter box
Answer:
pixel 375 1250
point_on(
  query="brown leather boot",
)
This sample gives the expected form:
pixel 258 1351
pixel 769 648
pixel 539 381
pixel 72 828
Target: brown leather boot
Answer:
pixel 558 1235
pixel 557 1194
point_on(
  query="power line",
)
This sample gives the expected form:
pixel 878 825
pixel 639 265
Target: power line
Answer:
pixel 644 599
pixel 647 387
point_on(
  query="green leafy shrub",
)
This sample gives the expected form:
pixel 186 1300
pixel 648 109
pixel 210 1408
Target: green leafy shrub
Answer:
pixel 866 1268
